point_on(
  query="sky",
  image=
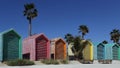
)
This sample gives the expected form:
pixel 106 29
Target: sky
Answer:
pixel 59 17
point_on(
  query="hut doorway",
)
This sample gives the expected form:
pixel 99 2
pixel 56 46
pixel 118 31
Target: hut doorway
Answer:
pixel 11 46
pixel 41 49
pixel 59 50
pixel 26 56
pixel 100 52
pixel 115 52
pixel 52 56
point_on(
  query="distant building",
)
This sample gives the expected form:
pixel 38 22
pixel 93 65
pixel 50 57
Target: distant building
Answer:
pixel 10 45
pixel 36 47
pixel 58 49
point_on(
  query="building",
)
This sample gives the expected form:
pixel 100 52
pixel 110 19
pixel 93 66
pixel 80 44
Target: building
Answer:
pixel 58 49
pixel 36 47
pixel 10 45
pixel 88 51
pixel 106 51
pixel 100 51
pixel 95 50
pixel 115 52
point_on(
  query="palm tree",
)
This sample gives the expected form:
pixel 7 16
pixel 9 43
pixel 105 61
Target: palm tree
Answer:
pixel 83 29
pixel 79 46
pixel 115 35
pixel 69 38
pixel 30 12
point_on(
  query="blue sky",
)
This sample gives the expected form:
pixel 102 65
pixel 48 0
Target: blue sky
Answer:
pixel 59 17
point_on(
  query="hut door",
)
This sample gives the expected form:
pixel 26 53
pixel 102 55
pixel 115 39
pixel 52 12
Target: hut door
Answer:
pixel 11 47
pixel 115 52
pixel 59 50
pixel 41 49
pixel 26 56
pixel 52 56
pixel 100 52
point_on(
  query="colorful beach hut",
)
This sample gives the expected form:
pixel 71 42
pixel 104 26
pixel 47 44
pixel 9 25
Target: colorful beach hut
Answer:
pixel 100 51
pixel 88 51
pixel 10 45
pixel 115 51
pixel 36 47
pixel 95 50
pixel 58 49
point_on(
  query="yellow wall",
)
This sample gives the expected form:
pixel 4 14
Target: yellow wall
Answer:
pixel 88 52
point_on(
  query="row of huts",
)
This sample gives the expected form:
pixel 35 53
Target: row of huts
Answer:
pixel 38 47
pixel 34 47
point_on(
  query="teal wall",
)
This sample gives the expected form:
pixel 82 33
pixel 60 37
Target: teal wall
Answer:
pixel 10 45
pixel 1 48
pixel 119 53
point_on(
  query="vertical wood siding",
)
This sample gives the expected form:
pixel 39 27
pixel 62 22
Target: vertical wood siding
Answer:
pixel 11 45
pixel 38 46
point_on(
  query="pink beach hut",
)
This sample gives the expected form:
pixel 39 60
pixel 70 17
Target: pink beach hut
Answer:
pixel 36 47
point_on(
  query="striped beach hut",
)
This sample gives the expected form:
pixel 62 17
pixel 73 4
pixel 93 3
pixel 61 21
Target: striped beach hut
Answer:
pixel 115 51
pixel 100 51
pixel 108 51
pixel 36 47
pixel 10 45
pixel 58 49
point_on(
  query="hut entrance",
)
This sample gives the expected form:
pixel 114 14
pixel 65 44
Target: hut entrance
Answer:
pixel 59 50
pixel 10 47
pixel 100 52
pixel 41 49
pixel 26 56
pixel 52 56
pixel 115 52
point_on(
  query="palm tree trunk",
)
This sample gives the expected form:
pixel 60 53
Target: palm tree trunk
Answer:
pixel 82 36
pixel 30 28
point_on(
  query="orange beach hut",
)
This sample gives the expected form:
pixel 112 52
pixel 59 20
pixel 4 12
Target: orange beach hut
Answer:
pixel 58 49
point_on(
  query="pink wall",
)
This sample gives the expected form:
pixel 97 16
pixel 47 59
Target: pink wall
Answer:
pixel 29 45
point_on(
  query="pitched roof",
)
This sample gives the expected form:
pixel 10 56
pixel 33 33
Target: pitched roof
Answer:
pixel 36 36
pixel 56 39
pixel 4 32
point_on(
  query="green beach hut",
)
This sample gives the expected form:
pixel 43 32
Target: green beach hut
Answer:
pixel 10 45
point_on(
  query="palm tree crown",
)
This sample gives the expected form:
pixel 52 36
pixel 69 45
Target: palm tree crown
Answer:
pixel 115 35
pixel 84 29
pixel 69 38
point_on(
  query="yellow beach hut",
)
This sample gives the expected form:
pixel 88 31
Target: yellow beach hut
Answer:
pixel 88 51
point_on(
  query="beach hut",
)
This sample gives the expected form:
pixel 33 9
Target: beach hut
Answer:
pixel 70 52
pixel 88 51
pixel 58 49
pixel 10 45
pixel 115 51
pixel 100 51
pixel 36 47
pixel 108 51
pixel 95 50
pixel 103 51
